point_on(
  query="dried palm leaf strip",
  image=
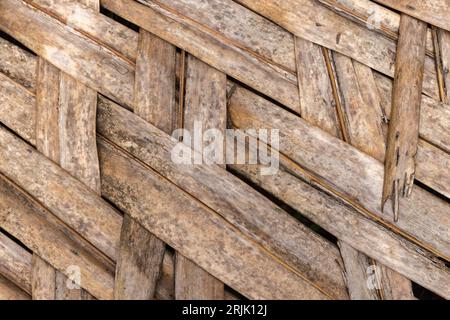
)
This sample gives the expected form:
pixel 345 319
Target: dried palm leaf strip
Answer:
pixel 106 239
pixel 403 134
pixel 117 30
pixel 360 124
pixel 369 280
pixel 18 64
pixel 435 12
pixel 76 207
pixel 69 51
pixel 9 291
pixel 301 191
pixel 65 114
pixel 66 133
pixel 442 48
pixel 348 173
pixel 43 281
pixel 205 106
pixel 141 253
pixel 139 262
pixel 431 111
pixel 120 183
pixel 80 56
pixel 292 253
pixel 417 266
pixel 15 263
pixel 124 81
pixel 15 97
pixel 374 17
pixel 55 246
pixel 261 24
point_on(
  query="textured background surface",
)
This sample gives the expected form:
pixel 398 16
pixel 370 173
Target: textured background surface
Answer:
pixel 93 207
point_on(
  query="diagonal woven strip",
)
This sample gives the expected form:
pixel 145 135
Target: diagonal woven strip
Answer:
pixel 94 205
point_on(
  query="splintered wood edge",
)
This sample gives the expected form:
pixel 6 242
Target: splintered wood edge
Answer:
pixel 403 134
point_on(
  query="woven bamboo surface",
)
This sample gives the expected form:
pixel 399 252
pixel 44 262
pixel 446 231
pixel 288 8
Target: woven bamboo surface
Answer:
pixel 93 205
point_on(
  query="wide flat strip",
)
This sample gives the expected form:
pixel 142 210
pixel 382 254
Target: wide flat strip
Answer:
pixel 369 280
pixel 47 142
pixel 15 263
pixel 43 285
pixel 350 174
pixel 431 112
pixel 77 55
pixel 205 108
pixel 361 108
pixel 230 255
pixel 47 110
pixel 245 29
pixel 65 127
pixel 194 283
pixel 77 140
pixel 141 253
pixel 430 85
pixel 394 286
pixel 68 289
pixel 66 134
pixel 232 60
pixel 231 198
pixel 372 16
pixel 139 262
pixel 15 97
pixel 155 82
pixel 312 21
pixel 65 196
pixel 348 225
pixel 111 34
pixel 403 134
pixel 317 101
pixel 360 126
pixel 435 12
pixel 9 291
pixel 51 178
pixel 357 273
pixel 60 246
pixel 18 64
pixel 205 98
pixel 436 163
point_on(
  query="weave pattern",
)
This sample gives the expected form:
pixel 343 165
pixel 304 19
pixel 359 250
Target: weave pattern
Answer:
pixel 93 205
